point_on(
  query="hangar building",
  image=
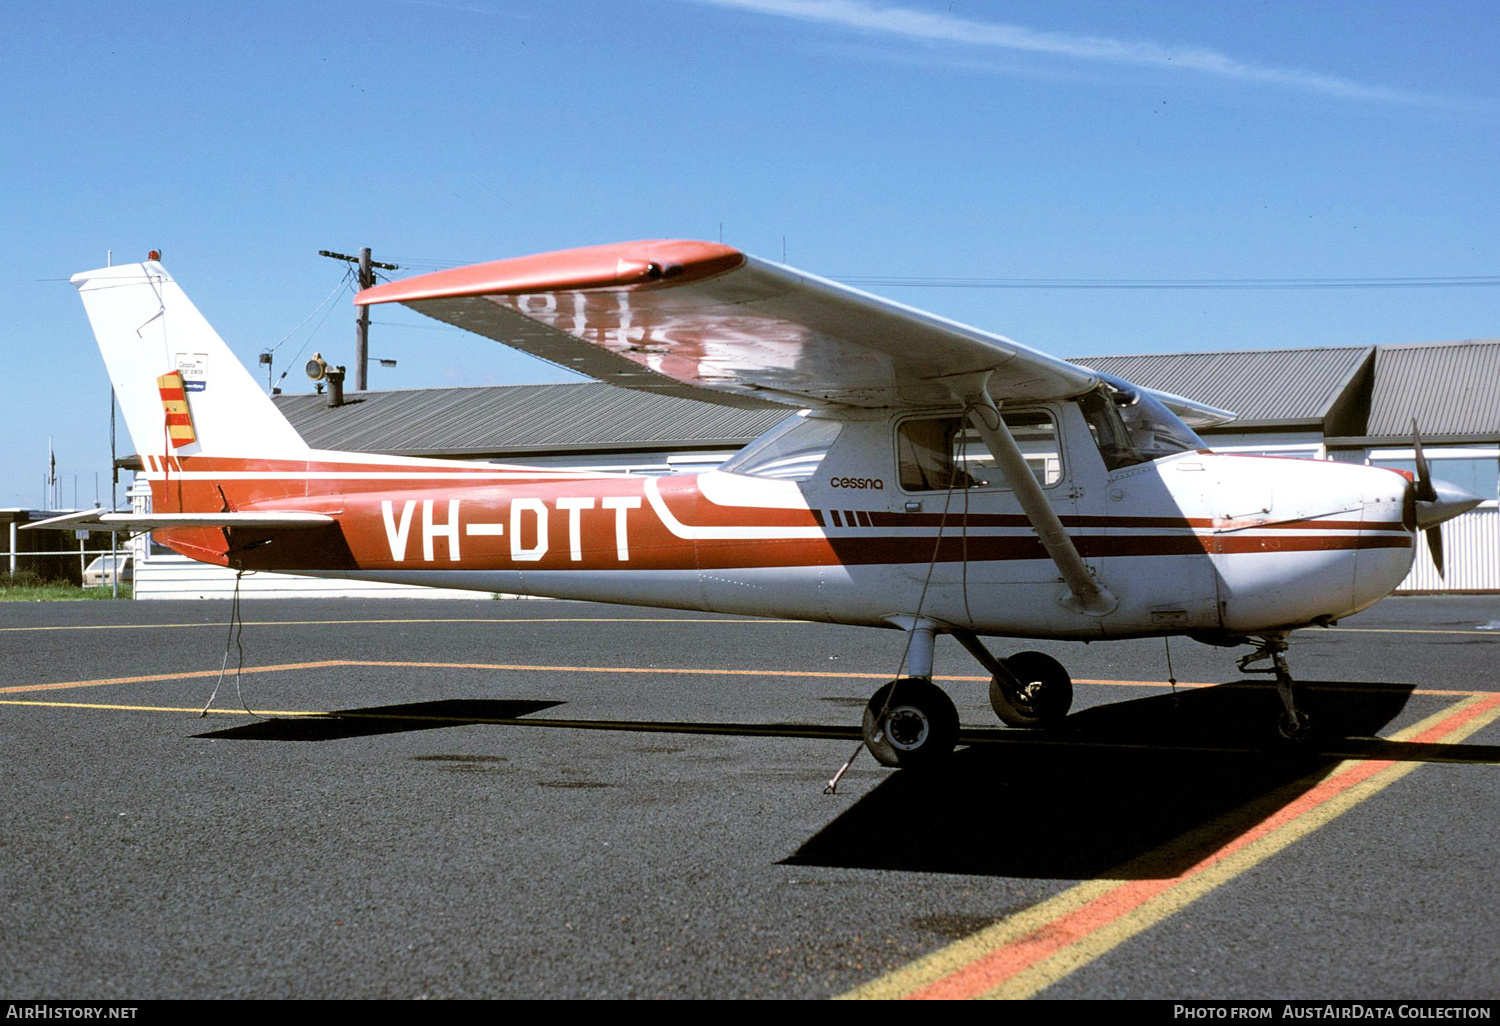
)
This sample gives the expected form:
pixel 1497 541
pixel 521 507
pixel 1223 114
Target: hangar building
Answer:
pixel 1354 404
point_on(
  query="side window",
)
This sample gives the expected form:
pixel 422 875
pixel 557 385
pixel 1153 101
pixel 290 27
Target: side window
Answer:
pixel 790 451
pixel 936 453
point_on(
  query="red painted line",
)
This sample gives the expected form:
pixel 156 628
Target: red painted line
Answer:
pixel 992 970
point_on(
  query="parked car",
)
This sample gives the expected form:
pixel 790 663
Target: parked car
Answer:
pixel 100 573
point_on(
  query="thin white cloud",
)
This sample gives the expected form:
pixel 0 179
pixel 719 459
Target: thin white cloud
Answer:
pixel 929 27
pixel 467 8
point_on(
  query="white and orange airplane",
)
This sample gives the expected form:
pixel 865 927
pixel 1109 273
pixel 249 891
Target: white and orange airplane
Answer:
pixel 935 478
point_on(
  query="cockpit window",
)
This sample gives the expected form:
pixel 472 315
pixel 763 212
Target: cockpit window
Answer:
pixel 1131 427
pixel 790 451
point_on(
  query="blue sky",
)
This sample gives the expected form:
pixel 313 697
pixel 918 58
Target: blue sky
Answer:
pixel 1241 139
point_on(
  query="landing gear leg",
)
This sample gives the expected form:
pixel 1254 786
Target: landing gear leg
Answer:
pixel 1030 689
pixel 1294 724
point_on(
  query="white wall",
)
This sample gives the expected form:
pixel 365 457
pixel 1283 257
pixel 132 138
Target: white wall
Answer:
pixel 1471 554
pixel 178 577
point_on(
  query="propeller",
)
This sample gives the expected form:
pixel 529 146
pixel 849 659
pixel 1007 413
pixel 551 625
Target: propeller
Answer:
pixel 1437 501
pixel 1426 492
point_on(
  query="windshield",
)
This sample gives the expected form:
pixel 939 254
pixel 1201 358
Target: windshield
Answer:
pixel 790 451
pixel 1131 427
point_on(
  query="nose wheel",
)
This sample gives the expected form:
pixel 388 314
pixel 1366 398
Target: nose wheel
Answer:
pixel 1293 725
pixel 1295 730
pixel 910 723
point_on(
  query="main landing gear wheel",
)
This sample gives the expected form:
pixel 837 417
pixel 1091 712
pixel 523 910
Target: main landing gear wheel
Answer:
pixel 1043 698
pixel 909 723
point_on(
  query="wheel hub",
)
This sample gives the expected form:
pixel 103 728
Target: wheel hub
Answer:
pixel 907 728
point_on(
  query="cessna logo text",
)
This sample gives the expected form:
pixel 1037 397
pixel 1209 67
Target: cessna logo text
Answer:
pixel 857 482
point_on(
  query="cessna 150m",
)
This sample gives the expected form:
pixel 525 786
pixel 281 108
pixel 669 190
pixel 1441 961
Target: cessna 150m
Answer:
pixel 937 479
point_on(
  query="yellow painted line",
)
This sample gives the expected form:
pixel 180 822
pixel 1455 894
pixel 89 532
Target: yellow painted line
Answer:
pixel 969 737
pixel 583 619
pixel 628 726
pixel 195 710
pixel 1409 630
pixel 150 677
pixel 1030 951
pixel 1029 739
pixel 456 619
pixel 722 672
pixel 638 670
pixel 411 664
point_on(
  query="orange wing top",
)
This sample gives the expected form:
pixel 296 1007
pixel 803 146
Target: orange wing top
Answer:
pixel 629 265
pixel 704 320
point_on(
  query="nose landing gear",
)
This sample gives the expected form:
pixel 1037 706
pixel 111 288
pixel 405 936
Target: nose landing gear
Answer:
pixel 1294 724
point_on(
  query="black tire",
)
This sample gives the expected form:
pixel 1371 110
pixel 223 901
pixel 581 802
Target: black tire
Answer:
pixel 910 723
pixel 1303 732
pixel 1045 696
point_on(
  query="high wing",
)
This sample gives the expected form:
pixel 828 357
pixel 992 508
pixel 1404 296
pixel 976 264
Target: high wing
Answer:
pixel 703 320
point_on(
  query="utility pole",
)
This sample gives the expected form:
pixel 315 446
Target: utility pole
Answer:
pixel 362 325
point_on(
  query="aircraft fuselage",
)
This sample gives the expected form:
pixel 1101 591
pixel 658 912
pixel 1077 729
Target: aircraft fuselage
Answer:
pixel 1195 542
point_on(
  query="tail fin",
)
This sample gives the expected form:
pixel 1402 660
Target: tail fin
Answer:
pixel 181 390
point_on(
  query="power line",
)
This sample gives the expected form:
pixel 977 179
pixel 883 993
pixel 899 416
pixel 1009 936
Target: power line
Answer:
pixel 1229 284
pixel 326 299
pixel 894 281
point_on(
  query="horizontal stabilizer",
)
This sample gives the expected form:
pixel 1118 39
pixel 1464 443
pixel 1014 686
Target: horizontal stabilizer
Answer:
pixel 137 522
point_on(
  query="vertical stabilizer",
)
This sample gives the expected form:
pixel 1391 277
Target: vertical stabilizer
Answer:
pixel 183 393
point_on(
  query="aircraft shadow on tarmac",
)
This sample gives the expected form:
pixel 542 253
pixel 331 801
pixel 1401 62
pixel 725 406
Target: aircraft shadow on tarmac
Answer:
pixel 383 719
pixel 1175 776
pixel 1172 776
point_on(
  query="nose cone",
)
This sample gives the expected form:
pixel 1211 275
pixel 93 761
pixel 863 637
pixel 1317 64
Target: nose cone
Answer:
pixel 1450 501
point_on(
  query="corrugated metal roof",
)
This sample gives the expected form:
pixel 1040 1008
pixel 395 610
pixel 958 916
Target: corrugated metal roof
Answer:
pixel 1451 388
pixel 1263 386
pixel 519 419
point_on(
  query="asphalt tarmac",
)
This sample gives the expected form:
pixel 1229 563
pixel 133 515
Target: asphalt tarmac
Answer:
pixel 516 799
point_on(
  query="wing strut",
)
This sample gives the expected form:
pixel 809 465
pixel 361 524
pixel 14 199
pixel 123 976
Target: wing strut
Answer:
pixel 1086 594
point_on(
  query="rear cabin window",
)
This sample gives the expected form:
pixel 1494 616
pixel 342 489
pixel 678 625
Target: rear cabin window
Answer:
pixel 790 451
pixel 938 453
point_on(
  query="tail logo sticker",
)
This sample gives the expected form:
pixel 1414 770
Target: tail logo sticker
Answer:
pixel 174 402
